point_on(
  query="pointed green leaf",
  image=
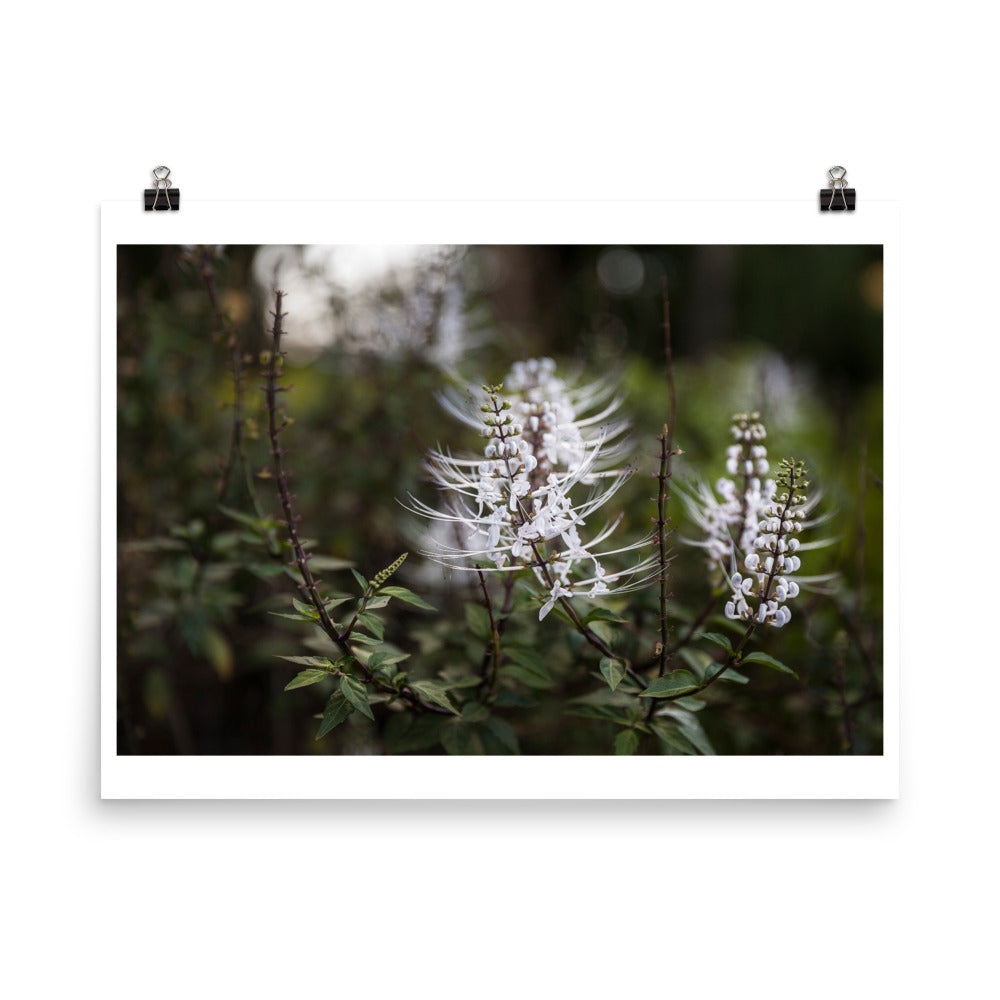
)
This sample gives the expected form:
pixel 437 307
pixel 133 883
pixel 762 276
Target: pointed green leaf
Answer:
pixel 385 658
pixel 627 742
pixel 307 677
pixel 672 736
pixel 328 563
pixel 474 712
pixel 734 675
pixel 613 671
pixel 373 623
pixel 355 692
pixel 456 738
pixel 680 682
pixel 362 582
pixel 525 676
pixel 529 660
pixel 717 638
pixel 337 709
pixel 435 692
pixel 768 661
pixel 502 730
pixel 402 594
pixel 478 620
pixel 305 609
pixel 308 661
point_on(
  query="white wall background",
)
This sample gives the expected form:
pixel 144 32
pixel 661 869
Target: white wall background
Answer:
pixel 522 100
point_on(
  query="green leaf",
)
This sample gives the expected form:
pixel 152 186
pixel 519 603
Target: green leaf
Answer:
pixel 373 623
pixel 337 709
pixel 690 727
pixel 456 738
pixel 529 660
pixel 698 660
pixel 729 674
pixel 613 671
pixel 308 661
pixel 406 732
pixel 402 594
pixel 368 640
pixel 478 620
pixel 717 638
pixel 329 563
pixel 768 661
pixel 672 736
pixel 248 519
pixel 435 692
pixel 362 582
pixel 525 676
pixel 305 609
pixel 293 618
pixel 673 685
pixel 377 602
pixel 603 615
pixel 266 570
pixel 603 713
pixel 307 677
pixel 335 601
pixel 354 691
pixel 474 712
pixel 604 631
pixel 502 730
pixel 627 742
pixel 385 658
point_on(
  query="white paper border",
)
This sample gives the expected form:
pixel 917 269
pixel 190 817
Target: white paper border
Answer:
pixel 408 222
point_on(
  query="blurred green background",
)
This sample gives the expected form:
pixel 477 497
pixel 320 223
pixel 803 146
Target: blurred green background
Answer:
pixel 374 334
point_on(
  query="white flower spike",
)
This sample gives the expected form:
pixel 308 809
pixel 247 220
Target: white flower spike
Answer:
pixel 544 470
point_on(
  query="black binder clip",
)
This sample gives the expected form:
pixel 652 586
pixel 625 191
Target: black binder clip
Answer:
pixel 840 198
pixel 163 197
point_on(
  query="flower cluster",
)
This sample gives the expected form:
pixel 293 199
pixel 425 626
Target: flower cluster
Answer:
pixel 515 506
pixel 760 596
pixel 730 520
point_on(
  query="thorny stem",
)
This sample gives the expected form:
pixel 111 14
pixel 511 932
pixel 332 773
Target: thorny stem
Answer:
pixel 308 585
pixel 237 450
pixel 663 496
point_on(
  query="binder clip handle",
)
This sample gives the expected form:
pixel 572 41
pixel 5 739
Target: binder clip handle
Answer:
pixel 838 186
pixel 162 186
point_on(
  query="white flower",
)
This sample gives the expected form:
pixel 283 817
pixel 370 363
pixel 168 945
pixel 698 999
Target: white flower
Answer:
pixel 768 581
pixel 519 499
pixel 730 524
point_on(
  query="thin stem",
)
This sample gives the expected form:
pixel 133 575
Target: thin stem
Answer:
pixel 308 585
pixel 237 449
pixel 492 653
pixel 663 496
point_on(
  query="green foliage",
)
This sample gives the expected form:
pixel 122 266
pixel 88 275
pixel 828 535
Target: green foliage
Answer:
pixel 672 685
pixel 307 677
pixel 357 694
pixel 338 708
pixel 768 661
pixel 613 671
pixel 407 596
pixel 627 742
